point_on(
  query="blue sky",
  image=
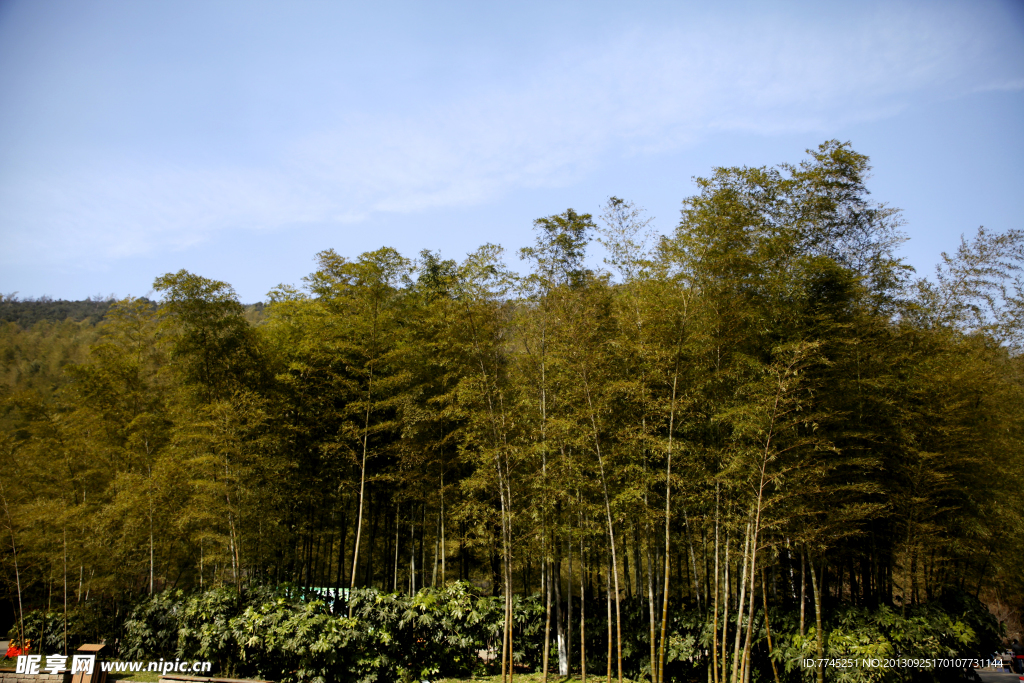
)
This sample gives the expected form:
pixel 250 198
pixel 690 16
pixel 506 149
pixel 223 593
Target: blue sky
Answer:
pixel 237 139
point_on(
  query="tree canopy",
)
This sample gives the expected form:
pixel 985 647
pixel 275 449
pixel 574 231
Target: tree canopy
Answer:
pixel 760 413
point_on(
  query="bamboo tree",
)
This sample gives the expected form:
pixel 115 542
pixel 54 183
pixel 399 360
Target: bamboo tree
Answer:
pixel 14 555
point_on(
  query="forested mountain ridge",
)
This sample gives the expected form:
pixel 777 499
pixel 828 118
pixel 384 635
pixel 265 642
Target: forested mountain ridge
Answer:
pixel 27 312
pixel 39 337
pixel 761 411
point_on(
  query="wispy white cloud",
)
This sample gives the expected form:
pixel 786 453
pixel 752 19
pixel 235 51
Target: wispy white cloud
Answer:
pixel 650 91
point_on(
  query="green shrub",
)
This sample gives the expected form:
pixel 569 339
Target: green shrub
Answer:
pixel 45 629
pixel 859 634
pixel 286 634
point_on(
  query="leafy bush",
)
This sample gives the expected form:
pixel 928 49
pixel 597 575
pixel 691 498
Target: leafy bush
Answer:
pixel 46 629
pixel 285 634
pixel 206 631
pixel 152 629
pixel 287 643
pixel 857 633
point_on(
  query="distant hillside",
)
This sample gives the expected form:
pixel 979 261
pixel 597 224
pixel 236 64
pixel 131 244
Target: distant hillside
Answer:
pixel 26 313
pixel 255 313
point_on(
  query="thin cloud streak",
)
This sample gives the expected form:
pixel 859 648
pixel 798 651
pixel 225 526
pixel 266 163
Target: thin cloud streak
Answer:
pixel 650 92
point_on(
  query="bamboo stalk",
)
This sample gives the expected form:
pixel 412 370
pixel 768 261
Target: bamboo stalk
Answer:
pixel 739 608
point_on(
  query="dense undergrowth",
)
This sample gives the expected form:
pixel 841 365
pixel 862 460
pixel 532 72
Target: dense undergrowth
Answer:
pixel 285 634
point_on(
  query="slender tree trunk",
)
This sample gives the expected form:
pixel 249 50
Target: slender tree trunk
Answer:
pixel 707 564
pixel 236 565
pixel 626 568
pixel 981 576
pixel 444 551
pixel 766 454
pixel 693 559
pixel 508 630
pixel 651 616
pixel 608 595
pixel 49 604
pixel 668 509
pixel 817 617
pixel 544 511
pixel 753 585
pixel 368 566
pixel 803 590
pixel 638 563
pixel 583 614
pixel 330 544
pixel 611 529
pixel 362 485
pixel 725 608
pixel 508 597
pixel 412 555
pixel 547 619
pixel 507 559
pixel 568 610
pixel 739 608
pixel 653 621
pixel 748 643
pixel 343 538
pixel 913 576
pixel 398 521
pixel 544 515
pixel 504 489
pixel 561 618
pixel 315 542
pixel 17 574
pixel 767 627
pixel 437 548
pixel 714 628
pixel 504 540
pixel 423 554
pixel 65 532
pixel 151 555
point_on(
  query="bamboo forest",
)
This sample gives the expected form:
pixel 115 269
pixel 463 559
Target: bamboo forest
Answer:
pixel 708 455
